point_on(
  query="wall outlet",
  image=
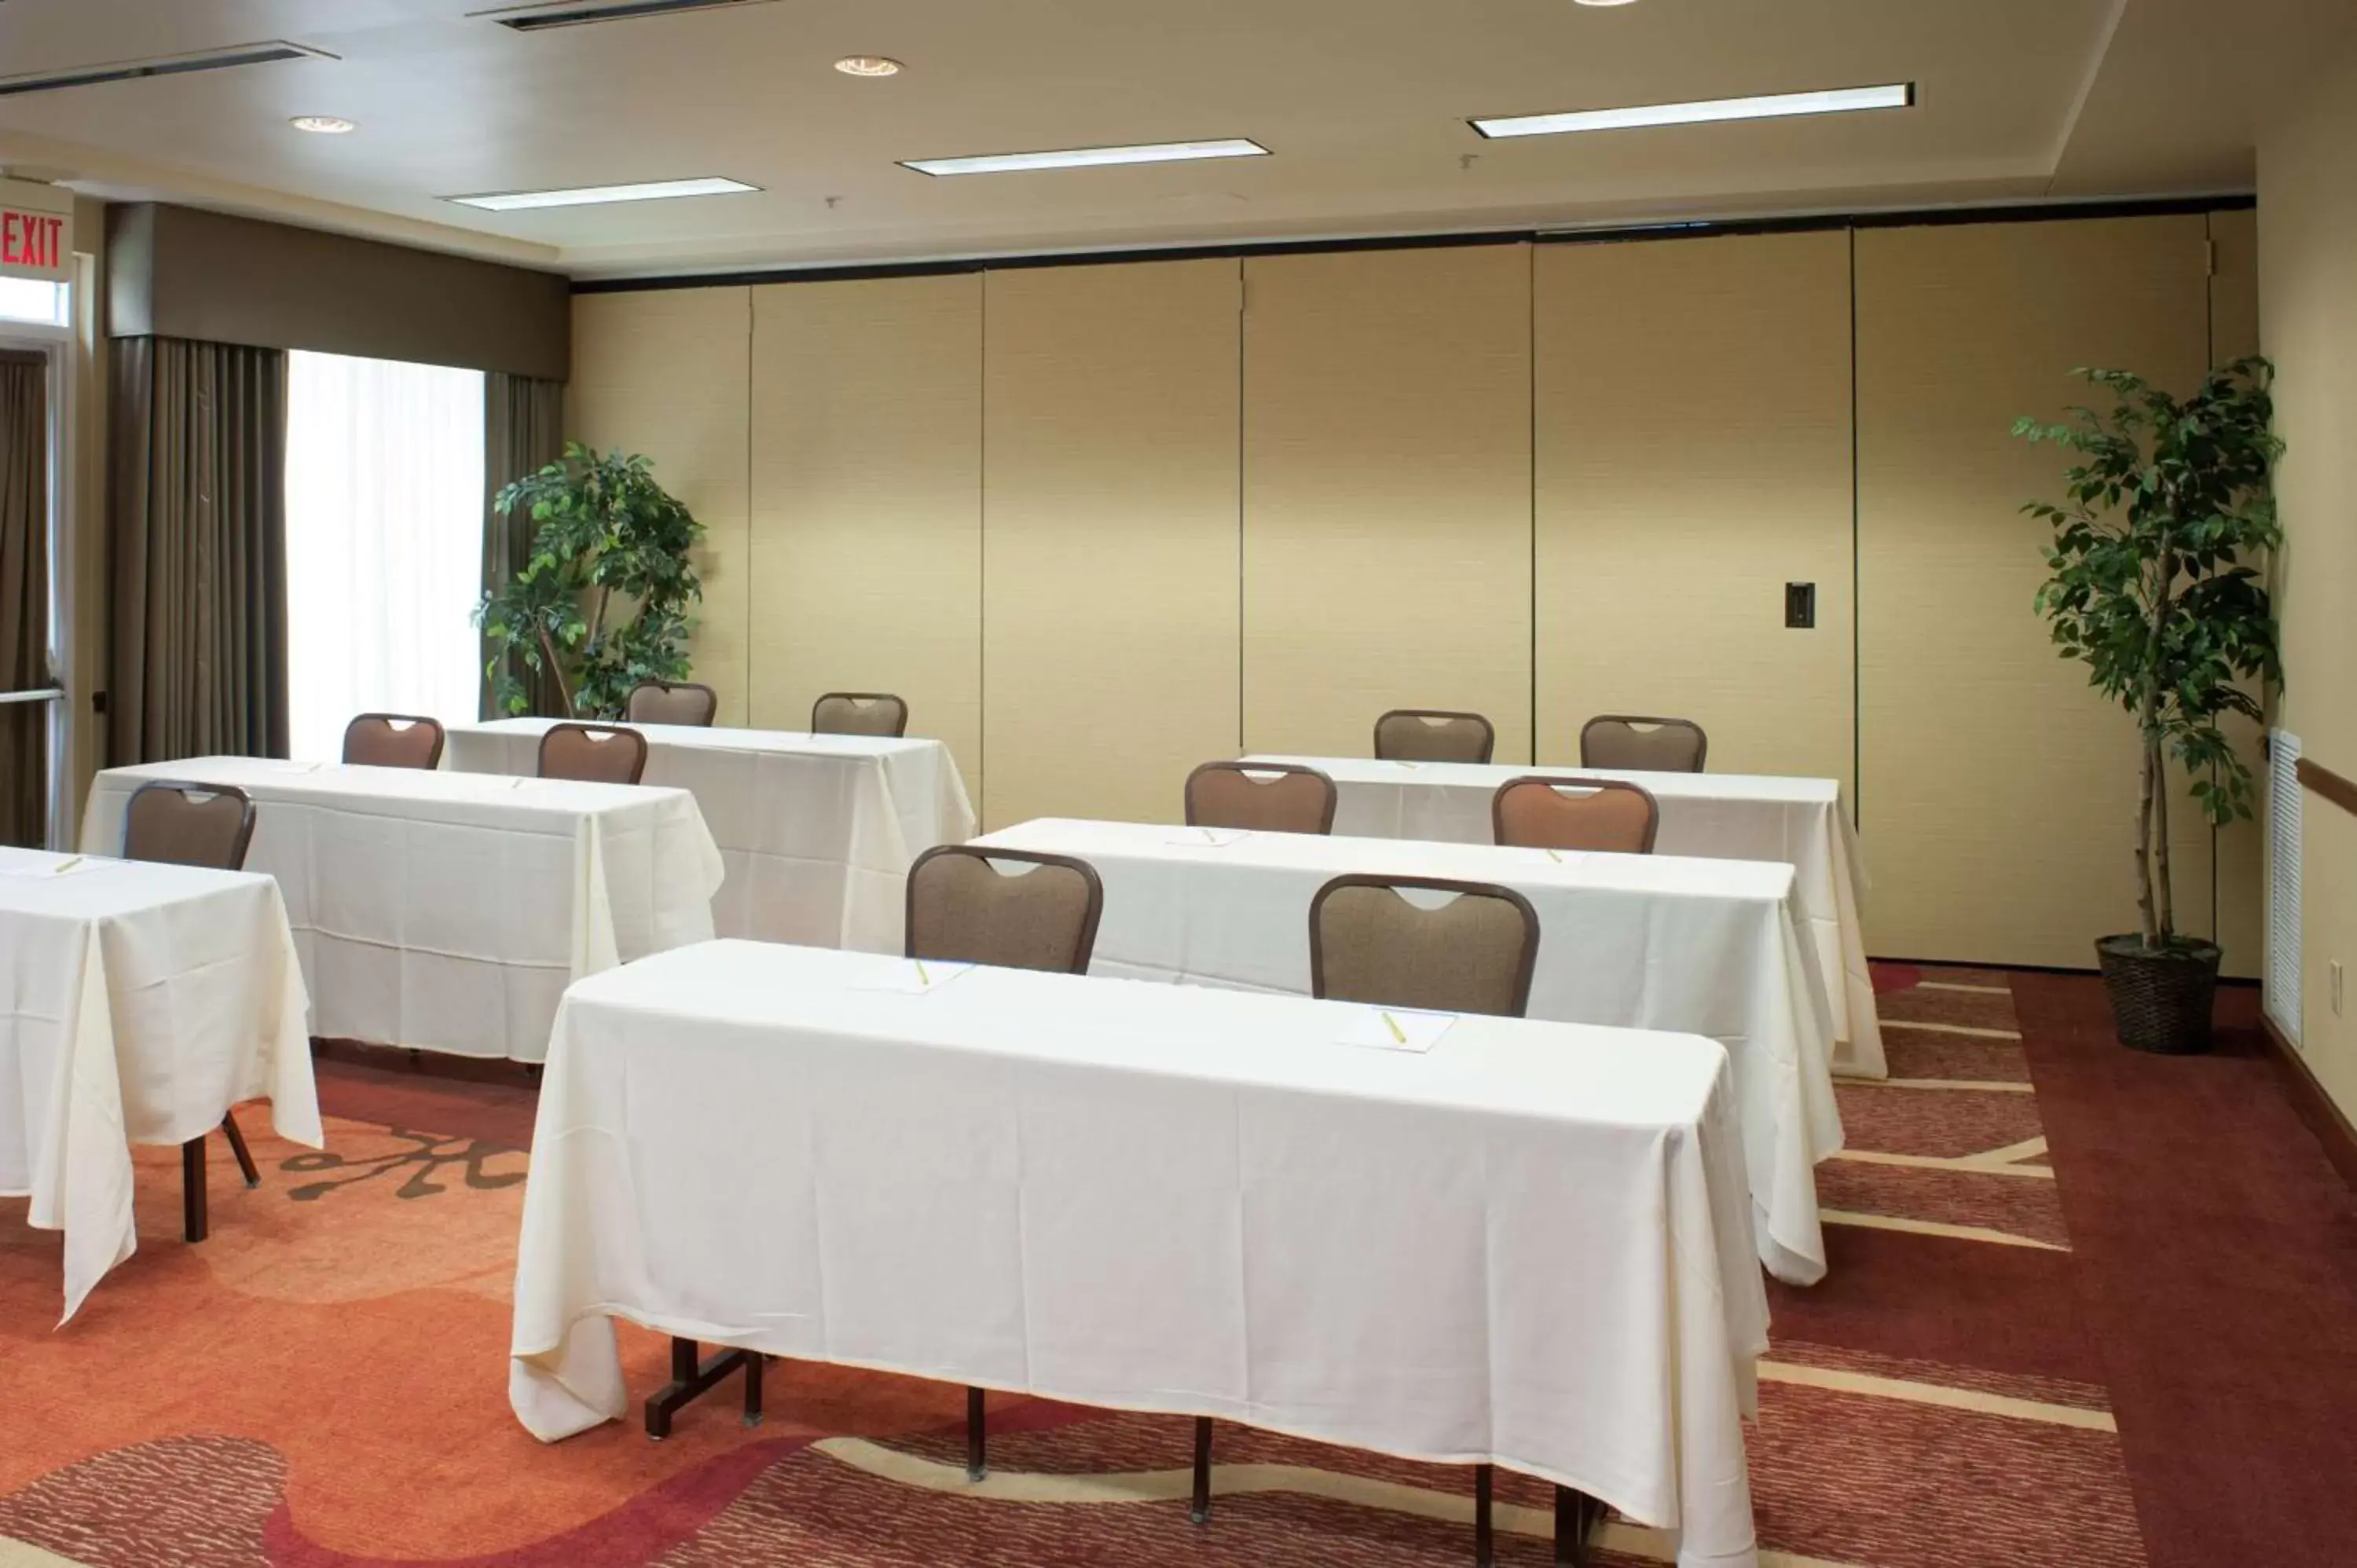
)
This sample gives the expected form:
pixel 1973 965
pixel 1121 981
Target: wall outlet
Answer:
pixel 2336 988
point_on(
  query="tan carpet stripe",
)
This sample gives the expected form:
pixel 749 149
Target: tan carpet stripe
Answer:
pixel 1935 1228
pixel 1236 1480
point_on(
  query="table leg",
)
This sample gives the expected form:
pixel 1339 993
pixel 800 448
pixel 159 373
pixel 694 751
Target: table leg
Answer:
pixel 1484 1542
pixel 691 1379
pixel 1200 1509
pixel 244 1156
pixel 976 1459
pixel 1577 1516
pixel 192 1190
pixel 757 1366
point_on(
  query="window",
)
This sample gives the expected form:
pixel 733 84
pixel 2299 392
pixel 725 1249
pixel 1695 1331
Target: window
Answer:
pixel 384 529
pixel 31 299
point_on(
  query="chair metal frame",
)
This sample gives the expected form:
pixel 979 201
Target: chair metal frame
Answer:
pixel 1498 806
pixel 1702 736
pixel 637 740
pixel 1489 730
pixel 1524 968
pixel 711 701
pixel 196 1222
pixel 1333 794
pixel 1085 945
pixel 901 733
pixel 433 757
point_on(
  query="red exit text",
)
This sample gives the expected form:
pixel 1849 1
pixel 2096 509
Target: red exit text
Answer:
pixel 31 240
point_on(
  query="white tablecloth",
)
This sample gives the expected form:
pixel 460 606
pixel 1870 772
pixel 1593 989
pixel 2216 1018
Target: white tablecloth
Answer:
pixel 137 1004
pixel 817 831
pixel 1529 1245
pixel 449 911
pixel 1708 816
pixel 1701 947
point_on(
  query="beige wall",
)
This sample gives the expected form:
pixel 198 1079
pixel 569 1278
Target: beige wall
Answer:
pixel 1069 511
pixel 1111 597
pixel 1693 456
pixel 1387 493
pixel 2240 847
pixel 866 535
pixel 2307 260
pixel 1999 789
pixel 666 374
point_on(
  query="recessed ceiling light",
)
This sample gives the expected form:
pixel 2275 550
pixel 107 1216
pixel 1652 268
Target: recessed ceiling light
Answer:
pixel 322 124
pixel 1603 2
pixel 1089 158
pixel 592 195
pixel 868 65
pixel 1776 106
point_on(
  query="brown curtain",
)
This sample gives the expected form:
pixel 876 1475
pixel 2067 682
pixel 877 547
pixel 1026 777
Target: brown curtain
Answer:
pixel 198 502
pixel 523 430
pixel 23 596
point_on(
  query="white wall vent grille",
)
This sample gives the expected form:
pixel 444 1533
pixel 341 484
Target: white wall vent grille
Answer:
pixel 2281 993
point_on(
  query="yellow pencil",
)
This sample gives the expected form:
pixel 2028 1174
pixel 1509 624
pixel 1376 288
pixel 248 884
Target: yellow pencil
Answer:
pixel 1393 1024
pixel 61 868
pixel 922 978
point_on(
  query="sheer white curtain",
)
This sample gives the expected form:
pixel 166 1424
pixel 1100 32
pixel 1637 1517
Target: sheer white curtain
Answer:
pixel 384 530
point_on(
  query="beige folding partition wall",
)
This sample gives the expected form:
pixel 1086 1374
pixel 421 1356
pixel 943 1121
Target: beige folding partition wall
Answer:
pixel 1387 493
pixel 663 372
pixel 1693 429
pixel 1110 548
pixel 1999 791
pixel 867 532
pixel 2241 847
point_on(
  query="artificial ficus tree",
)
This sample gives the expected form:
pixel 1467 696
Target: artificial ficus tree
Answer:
pixel 603 601
pixel 2152 588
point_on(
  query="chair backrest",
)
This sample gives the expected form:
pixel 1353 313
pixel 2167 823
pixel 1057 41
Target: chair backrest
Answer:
pixel 860 712
pixel 1607 814
pixel 1472 954
pixel 1643 745
pixel 593 754
pixel 1266 797
pixel 188 824
pixel 672 703
pixel 964 909
pixel 393 740
pixel 1433 734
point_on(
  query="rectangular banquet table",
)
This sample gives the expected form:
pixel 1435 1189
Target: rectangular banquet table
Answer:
pixel 817 831
pixel 139 1002
pixel 1709 816
pixel 1636 941
pixel 1529 1245
pixel 449 911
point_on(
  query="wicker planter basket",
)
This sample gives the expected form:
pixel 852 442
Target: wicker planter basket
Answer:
pixel 2160 1001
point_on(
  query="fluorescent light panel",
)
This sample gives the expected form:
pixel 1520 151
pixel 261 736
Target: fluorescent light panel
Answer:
pixel 1089 158
pixel 593 195
pixel 1776 106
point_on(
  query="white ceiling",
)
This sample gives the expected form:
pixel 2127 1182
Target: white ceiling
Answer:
pixel 1363 102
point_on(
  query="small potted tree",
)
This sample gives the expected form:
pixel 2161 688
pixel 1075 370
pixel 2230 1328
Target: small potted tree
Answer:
pixel 2166 506
pixel 602 604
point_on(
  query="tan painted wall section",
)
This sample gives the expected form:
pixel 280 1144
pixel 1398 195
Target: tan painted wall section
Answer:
pixel 663 373
pixel 867 455
pixel 1998 790
pixel 1111 596
pixel 1387 493
pixel 1693 456
pixel 2307 256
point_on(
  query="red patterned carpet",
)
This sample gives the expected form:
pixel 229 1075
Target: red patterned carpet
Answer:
pixel 2085 1308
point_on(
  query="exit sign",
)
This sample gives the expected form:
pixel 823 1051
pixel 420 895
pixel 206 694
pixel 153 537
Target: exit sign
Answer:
pixel 36 231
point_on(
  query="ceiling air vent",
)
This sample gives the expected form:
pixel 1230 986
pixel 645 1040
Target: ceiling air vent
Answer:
pixel 169 65
pixel 574 13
